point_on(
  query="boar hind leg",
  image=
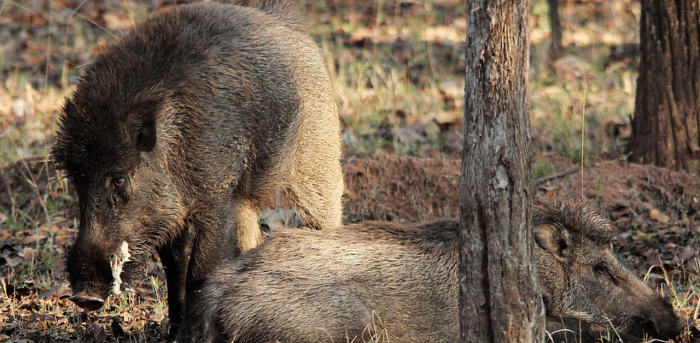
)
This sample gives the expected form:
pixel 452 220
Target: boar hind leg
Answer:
pixel 314 185
pixel 316 192
pixel 244 218
pixel 174 262
pixel 318 199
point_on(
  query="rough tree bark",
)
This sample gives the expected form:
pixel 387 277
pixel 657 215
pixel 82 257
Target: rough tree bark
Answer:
pixel 499 298
pixel 667 108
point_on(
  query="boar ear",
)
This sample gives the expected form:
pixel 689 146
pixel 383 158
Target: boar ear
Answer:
pixel 552 239
pixel 143 126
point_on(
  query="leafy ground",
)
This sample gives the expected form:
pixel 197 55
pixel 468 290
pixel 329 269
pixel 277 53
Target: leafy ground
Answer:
pixel 397 68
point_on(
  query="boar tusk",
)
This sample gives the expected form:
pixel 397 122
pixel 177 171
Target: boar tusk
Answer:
pixel 117 262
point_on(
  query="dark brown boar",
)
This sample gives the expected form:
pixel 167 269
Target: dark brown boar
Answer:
pixel 353 282
pixel 182 129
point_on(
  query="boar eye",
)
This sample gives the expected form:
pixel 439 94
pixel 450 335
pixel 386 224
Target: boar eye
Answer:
pixel 118 182
pixel 601 268
pixel 117 190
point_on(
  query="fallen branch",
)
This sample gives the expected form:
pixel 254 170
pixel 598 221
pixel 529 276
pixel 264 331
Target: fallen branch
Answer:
pixel 540 181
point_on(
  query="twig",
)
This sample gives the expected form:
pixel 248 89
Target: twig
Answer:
pixel 555 176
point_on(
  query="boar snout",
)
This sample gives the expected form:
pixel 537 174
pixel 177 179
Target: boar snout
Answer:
pixel 684 324
pixel 649 313
pixel 93 281
pixel 90 275
pixel 87 301
pixel 666 324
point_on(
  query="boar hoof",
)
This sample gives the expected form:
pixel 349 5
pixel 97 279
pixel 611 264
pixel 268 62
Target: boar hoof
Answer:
pixel 86 301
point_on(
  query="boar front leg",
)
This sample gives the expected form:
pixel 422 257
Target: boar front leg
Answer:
pixel 174 259
pixel 207 242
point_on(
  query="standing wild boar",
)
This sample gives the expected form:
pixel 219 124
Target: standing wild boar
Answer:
pixel 359 280
pixel 181 129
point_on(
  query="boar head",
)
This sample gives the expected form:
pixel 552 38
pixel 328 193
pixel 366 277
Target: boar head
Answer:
pixel 120 193
pixel 582 278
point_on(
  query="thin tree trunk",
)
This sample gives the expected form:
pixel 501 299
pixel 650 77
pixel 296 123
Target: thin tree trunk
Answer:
pixel 667 108
pixel 557 30
pixel 499 298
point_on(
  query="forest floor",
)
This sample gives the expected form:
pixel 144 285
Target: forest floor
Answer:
pixel 398 72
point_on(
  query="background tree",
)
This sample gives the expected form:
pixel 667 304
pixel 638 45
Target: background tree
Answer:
pixel 667 107
pixel 557 30
pixel 499 299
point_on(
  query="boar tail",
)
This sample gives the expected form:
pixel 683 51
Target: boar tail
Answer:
pixel 284 11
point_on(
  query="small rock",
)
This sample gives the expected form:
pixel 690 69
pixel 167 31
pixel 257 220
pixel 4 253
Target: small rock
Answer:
pixel 659 216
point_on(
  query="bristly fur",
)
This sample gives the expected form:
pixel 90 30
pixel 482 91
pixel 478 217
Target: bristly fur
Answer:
pixel 112 94
pixel 287 13
pixel 575 216
pixel 90 154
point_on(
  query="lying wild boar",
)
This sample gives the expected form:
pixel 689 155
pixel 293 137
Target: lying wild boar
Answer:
pixel 181 129
pixel 304 286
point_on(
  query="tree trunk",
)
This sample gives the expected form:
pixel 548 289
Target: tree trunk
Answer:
pixel 667 108
pixel 499 298
pixel 557 30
